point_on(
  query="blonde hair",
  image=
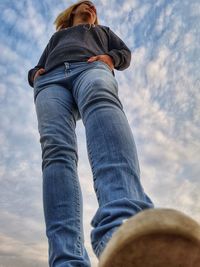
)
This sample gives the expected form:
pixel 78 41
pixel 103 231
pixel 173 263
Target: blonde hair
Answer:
pixel 65 18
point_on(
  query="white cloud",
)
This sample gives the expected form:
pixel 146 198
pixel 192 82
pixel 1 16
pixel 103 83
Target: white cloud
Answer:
pixel 194 9
pixel 129 5
pixel 2 92
pixel 9 16
pixel 157 69
pixel 189 40
pixel 7 54
pixel 35 252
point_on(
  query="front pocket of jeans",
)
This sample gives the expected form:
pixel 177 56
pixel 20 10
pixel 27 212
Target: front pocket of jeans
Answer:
pixel 105 64
pixel 36 79
pixel 36 86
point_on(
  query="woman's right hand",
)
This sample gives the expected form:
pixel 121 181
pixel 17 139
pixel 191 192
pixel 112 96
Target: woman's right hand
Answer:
pixel 38 73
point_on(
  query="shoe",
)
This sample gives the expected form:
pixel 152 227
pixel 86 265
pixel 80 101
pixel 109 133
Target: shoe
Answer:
pixel 154 238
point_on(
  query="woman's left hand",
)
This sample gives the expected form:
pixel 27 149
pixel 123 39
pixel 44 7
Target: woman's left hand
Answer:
pixel 105 58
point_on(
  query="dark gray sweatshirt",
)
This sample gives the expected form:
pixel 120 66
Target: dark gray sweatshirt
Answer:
pixel 79 43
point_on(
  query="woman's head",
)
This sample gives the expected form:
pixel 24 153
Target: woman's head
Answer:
pixel 66 18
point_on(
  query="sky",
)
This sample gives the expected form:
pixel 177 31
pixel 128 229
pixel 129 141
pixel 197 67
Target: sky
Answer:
pixel 159 93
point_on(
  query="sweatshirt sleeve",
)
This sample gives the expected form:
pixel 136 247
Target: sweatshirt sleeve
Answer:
pixel 41 64
pixel 119 52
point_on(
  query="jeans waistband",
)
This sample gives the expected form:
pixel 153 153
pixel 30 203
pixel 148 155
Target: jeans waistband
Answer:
pixel 70 64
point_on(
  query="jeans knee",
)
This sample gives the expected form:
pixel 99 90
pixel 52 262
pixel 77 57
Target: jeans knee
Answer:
pixel 55 149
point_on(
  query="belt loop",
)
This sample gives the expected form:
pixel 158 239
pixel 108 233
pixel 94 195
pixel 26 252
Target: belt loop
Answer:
pixel 66 65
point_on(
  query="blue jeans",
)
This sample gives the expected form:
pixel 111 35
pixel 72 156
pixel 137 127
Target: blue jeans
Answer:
pixel 87 91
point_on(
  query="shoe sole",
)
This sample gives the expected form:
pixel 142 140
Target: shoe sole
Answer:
pixel 154 238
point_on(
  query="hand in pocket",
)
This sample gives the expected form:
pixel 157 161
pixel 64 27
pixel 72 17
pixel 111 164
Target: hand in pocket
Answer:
pixel 38 73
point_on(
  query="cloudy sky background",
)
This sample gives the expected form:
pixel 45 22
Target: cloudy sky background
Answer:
pixel 160 95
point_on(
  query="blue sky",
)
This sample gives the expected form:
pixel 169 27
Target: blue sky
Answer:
pixel 160 95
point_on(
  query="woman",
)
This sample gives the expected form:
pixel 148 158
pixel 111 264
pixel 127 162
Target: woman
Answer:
pixel 74 79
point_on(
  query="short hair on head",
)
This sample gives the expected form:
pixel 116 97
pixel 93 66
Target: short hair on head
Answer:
pixel 65 18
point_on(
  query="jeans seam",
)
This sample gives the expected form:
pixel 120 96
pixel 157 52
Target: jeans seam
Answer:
pixel 102 244
pixel 93 171
pixel 78 245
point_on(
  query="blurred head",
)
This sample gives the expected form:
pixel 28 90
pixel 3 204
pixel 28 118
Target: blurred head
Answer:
pixel 66 18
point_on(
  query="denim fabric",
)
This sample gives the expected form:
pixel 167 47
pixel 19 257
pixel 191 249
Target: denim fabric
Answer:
pixel 87 91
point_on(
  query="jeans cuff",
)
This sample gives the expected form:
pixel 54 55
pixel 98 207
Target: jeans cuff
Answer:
pixel 102 244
